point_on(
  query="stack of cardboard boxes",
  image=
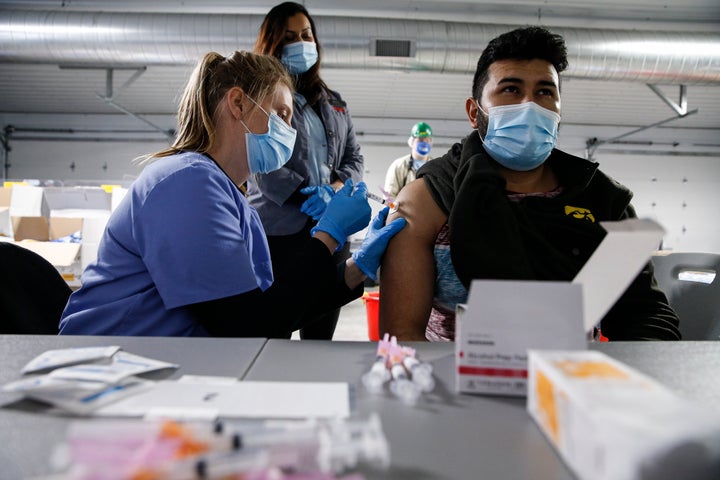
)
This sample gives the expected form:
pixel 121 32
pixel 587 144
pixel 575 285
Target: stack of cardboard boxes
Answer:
pixel 62 224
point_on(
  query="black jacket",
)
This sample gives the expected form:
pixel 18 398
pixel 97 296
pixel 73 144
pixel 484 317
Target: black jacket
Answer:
pixel 541 238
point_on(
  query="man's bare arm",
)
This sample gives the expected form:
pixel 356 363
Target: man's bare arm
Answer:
pixel 407 276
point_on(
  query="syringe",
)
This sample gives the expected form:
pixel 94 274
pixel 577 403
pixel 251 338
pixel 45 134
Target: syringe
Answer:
pixel 420 372
pixel 401 385
pixel 378 374
pixel 379 199
pixel 169 450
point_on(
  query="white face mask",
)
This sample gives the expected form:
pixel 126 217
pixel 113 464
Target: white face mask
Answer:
pixel 520 136
pixel 269 151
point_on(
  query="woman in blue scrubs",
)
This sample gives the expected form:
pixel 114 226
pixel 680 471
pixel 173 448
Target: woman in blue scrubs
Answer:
pixel 184 254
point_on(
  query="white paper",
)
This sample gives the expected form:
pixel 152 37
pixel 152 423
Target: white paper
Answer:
pixel 69 356
pixel 83 402
pixel 123 365
pixel 615 263
pixel 206 399
pixel 45 383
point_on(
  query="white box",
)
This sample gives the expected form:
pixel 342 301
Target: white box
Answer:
pixel 88 254
pixel 608 421
pixel 94 226
pixel 26 201
pixel 503 319
pixel 118 193
pixel 75 198
pixel 491 347
pixel 6 228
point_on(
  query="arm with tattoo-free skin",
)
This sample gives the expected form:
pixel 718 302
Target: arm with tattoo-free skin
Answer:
pixel 407 276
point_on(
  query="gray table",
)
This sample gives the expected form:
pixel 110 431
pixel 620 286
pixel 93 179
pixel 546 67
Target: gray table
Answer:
pixel 446 436
pixel 28 436
pixel 691 369
pixel 454 436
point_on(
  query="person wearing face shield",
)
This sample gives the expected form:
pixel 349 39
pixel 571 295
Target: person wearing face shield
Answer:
pixel 291 199
pixel 403 170
pixel 505 203
pixel 185 254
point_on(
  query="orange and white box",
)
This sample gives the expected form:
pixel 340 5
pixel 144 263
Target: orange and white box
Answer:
pixel 609 421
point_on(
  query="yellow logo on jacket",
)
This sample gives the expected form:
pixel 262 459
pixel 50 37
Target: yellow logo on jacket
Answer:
pixel 579 213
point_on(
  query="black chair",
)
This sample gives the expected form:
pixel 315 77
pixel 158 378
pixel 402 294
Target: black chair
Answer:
pixel 692 284
pixel 33 294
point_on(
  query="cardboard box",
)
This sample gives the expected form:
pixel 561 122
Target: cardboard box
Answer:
pixel 52 213
pixel 65 257
pixel 118 193
pixel 503 319
pixel 6 229
pixel 491 351
pixel 61 255
pixel 75 198
pixel 63 226
pixel 5 196
pixel 43 229
pixel 5 221
pixel 608 421
pixel 26 201
pixel 37 233
pixel 31 228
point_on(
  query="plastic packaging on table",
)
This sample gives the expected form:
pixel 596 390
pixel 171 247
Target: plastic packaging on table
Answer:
pixel 165 449
pixel 408 378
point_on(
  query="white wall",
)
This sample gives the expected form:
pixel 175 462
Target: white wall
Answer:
pixel 71 161
pixel 681 193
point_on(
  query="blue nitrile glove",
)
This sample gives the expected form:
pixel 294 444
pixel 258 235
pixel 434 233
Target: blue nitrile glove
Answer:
pixel 348 212
pixel 320 197
pixel 368 256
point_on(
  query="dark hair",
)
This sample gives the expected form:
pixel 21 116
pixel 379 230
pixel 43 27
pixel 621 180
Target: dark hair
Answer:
pixel 527 43
pixel 271 40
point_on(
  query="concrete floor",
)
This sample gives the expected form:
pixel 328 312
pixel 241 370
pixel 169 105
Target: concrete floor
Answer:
pixel 352 324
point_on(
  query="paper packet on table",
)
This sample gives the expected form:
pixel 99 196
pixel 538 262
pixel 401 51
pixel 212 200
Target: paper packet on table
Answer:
pixel 608 421
pixel 80 380
pixel 64 357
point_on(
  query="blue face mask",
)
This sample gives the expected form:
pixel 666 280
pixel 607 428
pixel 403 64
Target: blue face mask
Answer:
pixel 520 136
pixel 423 148
pixel 269 151
pixel 298 57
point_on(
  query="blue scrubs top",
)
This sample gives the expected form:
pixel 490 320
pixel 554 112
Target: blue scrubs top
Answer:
pixel 183 234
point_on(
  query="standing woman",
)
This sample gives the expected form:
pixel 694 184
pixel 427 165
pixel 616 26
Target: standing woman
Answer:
pixel 290 200
pixel 184 254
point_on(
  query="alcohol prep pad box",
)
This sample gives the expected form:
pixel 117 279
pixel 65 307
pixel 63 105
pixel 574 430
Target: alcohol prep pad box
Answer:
pixel 491 353
pixel 502 319
pixel 608 421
